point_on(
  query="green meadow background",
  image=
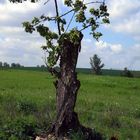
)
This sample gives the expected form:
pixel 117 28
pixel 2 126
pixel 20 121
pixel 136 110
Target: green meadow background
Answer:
pixel 108 104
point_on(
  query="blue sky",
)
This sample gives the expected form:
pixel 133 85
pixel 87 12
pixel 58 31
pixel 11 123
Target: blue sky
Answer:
pixel 118 48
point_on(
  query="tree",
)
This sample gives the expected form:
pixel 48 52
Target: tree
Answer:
pixel 1 64
pixel 65 46
pixel 6 65
pixel 42 66
pixel 96 65
pixel 18 65
pixel 127 73
pixel 13 65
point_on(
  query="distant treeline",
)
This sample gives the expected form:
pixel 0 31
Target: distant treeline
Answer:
pixel 109 72
pixel 13 65
pixel 17 65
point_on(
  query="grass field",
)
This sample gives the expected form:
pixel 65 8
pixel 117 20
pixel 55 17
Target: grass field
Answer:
pixel 111 105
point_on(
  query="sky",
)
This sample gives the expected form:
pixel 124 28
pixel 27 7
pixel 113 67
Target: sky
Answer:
pixel 118 48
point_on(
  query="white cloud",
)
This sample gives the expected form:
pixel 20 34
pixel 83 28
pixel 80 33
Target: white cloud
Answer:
pixel 114 48
pixel 124 16
pixel 15 44
pixel 9 9
pixel 123 8
pixel 24 52
pixel 117 48
pixel 9 30
pixel 101 44
pixel 112 55
pixel 129 25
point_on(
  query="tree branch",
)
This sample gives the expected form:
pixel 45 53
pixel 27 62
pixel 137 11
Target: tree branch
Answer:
pixel 46 2
pixel 70 22
pixel 57 15
pixel 63 14
pixel 94 2
pixel 53 71
pixel 67 12
pixel 85 27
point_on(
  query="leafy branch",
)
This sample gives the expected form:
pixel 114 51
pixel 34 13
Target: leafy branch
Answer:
pixel 97 17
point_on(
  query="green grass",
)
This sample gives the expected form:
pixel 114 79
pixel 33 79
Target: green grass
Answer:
pixel 111 105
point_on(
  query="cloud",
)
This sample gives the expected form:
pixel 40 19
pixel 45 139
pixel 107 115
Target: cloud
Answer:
pixel 112 55
pixel 11 11
pixel 13 14
pixel 124 16
pixel 129 26
pixel 25 52
pixel 123 8
pixel 114 48
pixel 15 44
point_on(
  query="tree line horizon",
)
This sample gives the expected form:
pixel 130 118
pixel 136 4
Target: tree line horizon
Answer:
pixel 95 62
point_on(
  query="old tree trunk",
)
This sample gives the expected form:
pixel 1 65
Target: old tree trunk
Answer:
pixel 67 86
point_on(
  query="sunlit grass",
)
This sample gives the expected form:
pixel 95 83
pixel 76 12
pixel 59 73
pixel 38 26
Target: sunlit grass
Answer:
pixel 111 105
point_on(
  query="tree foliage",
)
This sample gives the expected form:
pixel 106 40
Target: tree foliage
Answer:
pixel 79 11
pixel 96 64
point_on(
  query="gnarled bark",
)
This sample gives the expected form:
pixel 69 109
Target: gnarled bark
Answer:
pixel 66 88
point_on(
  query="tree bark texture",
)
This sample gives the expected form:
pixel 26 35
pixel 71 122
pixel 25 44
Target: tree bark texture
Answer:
pixel 67 87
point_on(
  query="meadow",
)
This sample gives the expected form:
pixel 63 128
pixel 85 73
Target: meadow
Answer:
pixel 110 105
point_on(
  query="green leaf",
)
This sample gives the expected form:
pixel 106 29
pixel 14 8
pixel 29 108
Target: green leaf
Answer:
pixel 28 27
pixel 35 20
pixel 106 20
pixel 92 10
pixel 97 35
pixel 80 17
pixel 68 2
pixel 78 5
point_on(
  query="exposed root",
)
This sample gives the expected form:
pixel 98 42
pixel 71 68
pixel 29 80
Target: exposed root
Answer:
pixel 86 133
